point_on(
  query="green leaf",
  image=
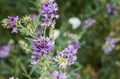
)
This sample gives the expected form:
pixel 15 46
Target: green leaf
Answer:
pixel 23 68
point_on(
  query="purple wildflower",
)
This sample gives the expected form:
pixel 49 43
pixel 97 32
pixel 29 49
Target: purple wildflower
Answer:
pixel 33 16
pixel 57 75
pixel 14 28
pixel 76 43
pixel 88 22
pixel 68 56
pixel 35 59
pixel 4 50
pixel 13 19
pixel 111 9
pixel 49 13
pixel 43 45
pixel 109 45
pixel 70 52
pixel 13 23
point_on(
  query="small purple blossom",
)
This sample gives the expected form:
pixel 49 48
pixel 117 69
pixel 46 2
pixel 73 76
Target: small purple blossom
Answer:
pixel 70 50
pixel 33 16
pixel 88 22
pixel 13 19
pixel 109 45
pixel 14 28
pixel 57 75
pixel 76 43
pixel 13 23
pixel 49 13
pixel 43 45
pixel 111 9
pixel 5 49
pixel 35 59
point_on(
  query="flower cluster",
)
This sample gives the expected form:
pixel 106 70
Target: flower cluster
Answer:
pixel 88 22
pixel 57 75
pixel 5 49
pixel 111 9
pixel 42 46
pixel 68 56
pixel 49 13
pixel 11 23
pixel 109 45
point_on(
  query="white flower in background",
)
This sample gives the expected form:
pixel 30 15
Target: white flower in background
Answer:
pixel 56 33
pixel 75 22
pixel 13 78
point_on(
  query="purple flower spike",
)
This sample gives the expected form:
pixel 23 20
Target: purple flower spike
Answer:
pixel 5 49
pixel 111 9
pixel 43 45
pixel 49 13
pixel 109 45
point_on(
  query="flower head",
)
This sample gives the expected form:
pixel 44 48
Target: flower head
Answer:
pixel 57 75
pixel 61 59
pixel 49 13
pixel 11 22
pixel 43 45
pixel 4 50
pixel 68 56
pixel 88 22
pixel 111 9
pixel 75 22
pixel 109 45
pixel 71 53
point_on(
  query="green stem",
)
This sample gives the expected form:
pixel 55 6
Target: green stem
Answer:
pixel 45 30
pixel 81 34
pixel 52 31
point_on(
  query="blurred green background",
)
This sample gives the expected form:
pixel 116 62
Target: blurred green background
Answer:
pixel 95 63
